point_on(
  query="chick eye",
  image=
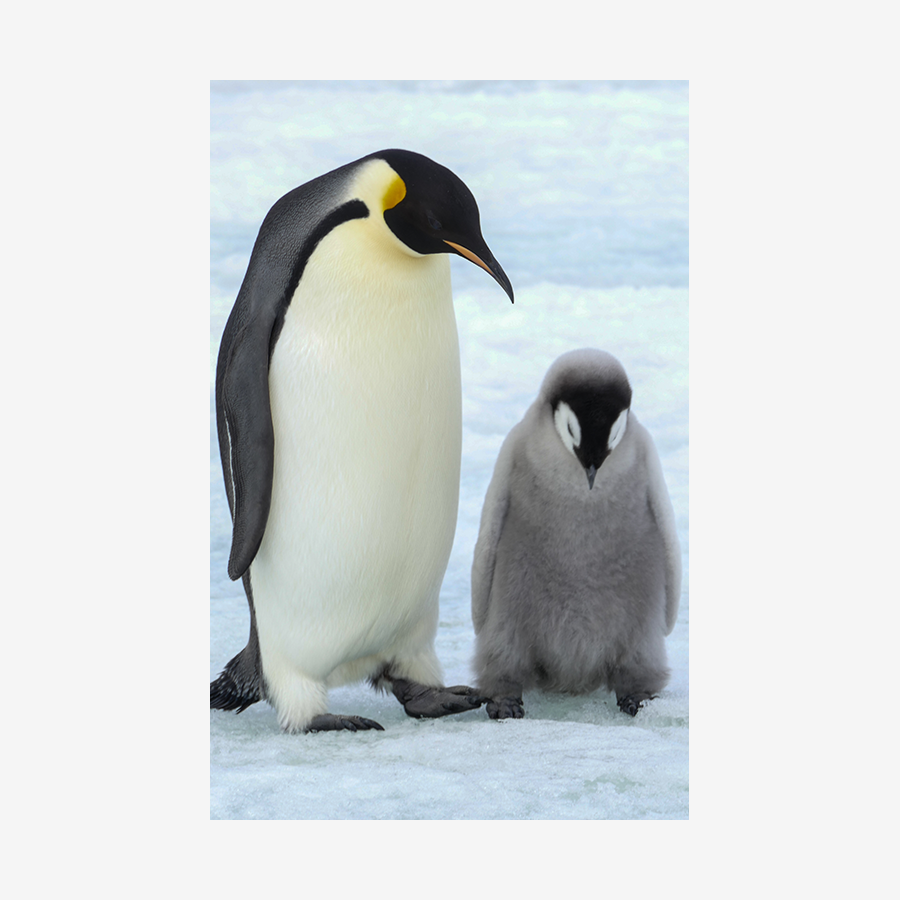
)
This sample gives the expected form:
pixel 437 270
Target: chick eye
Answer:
pixel 433 222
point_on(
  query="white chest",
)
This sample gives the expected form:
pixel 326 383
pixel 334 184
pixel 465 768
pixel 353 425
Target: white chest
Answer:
pixel 364 385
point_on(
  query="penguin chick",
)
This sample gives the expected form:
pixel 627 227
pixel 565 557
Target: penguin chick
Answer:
pixel 577 570
pixel 338 407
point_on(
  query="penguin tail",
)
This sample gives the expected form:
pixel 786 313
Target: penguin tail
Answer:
pixel 237 687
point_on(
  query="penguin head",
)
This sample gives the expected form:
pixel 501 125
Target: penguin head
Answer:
pixel 588 395
pixel 430 210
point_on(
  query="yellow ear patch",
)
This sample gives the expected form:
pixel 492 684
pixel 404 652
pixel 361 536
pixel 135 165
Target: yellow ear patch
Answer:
pixel 395 193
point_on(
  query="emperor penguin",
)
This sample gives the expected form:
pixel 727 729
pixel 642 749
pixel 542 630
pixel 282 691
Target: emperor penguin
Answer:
pixel 338 406
pixel 576 577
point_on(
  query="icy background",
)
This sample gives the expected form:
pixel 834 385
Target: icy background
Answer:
pixel 583 192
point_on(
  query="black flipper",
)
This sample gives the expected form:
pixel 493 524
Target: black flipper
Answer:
pixel 250 440
pixel 286 240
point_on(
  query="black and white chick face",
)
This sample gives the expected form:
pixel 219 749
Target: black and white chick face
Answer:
pixel 591 424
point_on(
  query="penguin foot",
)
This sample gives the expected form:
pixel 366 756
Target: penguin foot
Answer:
pixel 329 722
pixel 633 702
pixel 506 708
pixel 423 702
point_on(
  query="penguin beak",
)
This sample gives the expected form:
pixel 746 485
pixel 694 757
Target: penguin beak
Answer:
pixel 488 263
pixel 591 475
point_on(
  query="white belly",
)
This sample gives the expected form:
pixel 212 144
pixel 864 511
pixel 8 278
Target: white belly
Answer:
pixel 366 406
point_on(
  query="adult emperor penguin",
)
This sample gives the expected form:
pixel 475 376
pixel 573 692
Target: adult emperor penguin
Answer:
pixel 577 570
pixel 339 418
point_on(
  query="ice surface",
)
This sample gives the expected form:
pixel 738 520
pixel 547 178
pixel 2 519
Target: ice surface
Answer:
pixel 583 195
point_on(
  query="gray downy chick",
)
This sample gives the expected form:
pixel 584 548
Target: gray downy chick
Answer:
pixel 577 571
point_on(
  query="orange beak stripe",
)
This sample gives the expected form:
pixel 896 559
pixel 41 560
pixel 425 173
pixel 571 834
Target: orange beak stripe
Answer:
pixel 469 255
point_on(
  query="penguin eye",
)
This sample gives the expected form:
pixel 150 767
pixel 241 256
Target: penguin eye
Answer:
pixel 433 222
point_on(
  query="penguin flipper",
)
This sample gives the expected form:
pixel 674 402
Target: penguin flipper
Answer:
pixel 661 506
pixel 289 234
pixel 249 454
pixel 493 514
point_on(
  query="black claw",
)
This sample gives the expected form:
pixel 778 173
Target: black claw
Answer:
pixel 423 702
pixel 468 695
pixel 633 702
pixel 506 708
pixel 329 722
